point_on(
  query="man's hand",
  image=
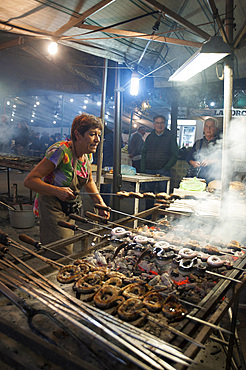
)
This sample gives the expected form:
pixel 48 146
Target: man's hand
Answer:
pixel 206 162
pixel 195 164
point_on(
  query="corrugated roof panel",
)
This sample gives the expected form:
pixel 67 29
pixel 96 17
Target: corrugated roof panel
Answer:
pixel 50 16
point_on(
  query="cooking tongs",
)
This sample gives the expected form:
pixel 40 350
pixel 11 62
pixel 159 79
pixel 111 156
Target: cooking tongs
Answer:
pixel 28 311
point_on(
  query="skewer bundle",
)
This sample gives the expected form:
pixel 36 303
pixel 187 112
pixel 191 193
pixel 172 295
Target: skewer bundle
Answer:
pixel 128 343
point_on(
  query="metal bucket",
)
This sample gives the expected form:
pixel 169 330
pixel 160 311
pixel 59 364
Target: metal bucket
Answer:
pixel 22 219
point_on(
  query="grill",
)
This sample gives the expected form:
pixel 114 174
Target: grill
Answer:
pixel 203 297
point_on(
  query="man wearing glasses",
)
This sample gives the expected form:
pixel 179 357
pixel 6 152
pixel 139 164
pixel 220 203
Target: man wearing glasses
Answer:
pixel 159 155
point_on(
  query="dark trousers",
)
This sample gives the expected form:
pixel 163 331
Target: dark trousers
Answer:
pixel 104 189
pixel 137 165
pixel 155 186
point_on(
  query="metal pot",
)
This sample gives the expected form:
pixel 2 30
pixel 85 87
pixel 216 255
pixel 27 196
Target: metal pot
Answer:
pixel 22 219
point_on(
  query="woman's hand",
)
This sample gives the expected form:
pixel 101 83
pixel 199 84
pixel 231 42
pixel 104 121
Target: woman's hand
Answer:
pixel 65 194
pixel 103 213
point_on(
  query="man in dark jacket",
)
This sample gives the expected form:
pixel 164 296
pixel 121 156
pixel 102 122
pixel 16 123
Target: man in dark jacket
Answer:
pixel 159 155
pixel 205 156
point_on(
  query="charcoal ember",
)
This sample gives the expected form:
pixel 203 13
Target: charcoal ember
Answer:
pixel 175 272
pixel 194 298
pixel 123 265
pixel 193 277
pixel 153 268
pixel 191 293
pixel 165 279
pixel 155 280
pixel 145 265
pixel 162 287
pixel 186 287
pixel 208 285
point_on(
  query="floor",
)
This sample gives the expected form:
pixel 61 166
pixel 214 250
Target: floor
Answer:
pixel 213 357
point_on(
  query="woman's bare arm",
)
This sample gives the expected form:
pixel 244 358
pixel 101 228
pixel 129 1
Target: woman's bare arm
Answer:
pixel 92 190
pixel 34 182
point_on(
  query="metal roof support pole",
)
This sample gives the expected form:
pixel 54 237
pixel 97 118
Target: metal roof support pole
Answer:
pixel 62 117
pixel 103 102
pixel 174 114
pixel 228 93
pixel 117 178
pixel 130 125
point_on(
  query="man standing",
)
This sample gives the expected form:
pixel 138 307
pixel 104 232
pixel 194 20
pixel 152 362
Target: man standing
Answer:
pixel 205 156
pixel 135 147
pixel 159 155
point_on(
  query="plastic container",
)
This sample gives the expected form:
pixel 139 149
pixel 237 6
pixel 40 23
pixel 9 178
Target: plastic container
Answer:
pixel 22 219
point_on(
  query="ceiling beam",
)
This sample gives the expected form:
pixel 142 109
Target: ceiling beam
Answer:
pixel 24 31
pixel 167 40
pixel 76 20
pixel 218 20
pixel 179 19
pixel 239 35
pixel 15 42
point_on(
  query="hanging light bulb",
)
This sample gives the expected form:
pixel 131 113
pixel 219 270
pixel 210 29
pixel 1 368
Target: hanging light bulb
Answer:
pixel 52 48
pixel 134 83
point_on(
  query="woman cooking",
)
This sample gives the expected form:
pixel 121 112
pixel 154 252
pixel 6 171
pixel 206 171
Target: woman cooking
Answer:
pixel 58 178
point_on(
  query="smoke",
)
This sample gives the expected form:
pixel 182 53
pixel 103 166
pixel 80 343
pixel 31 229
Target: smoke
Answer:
pixel 233 204
pixel 224 219
pixel 213 156
pixel 236 144
pixel 6 134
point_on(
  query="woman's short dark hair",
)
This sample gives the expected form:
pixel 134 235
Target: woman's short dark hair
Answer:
pixel 83 123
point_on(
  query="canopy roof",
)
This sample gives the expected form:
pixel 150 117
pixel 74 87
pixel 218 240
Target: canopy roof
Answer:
pixel 127 31
pixel 124 31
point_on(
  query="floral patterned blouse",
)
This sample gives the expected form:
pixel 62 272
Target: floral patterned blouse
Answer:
pixel 61 155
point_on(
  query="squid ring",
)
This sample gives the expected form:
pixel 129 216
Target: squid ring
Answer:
pixel 134 290
pixel 106 297
pixel 114 281
pixel 172 309
pixel 141 239
pixel 186 264
pixel 163 245
pixel 131 309
pixel 215 261
pixel 88 284
pixel 187 253
pixel 153 301
pixel 68 274
pixel 118 232
pixel 84 268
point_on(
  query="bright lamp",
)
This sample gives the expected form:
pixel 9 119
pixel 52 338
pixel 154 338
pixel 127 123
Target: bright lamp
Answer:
pixel 52 48
pixel 134 83
pixel 211 52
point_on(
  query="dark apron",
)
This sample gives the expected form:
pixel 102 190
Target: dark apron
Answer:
pixel 52 210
